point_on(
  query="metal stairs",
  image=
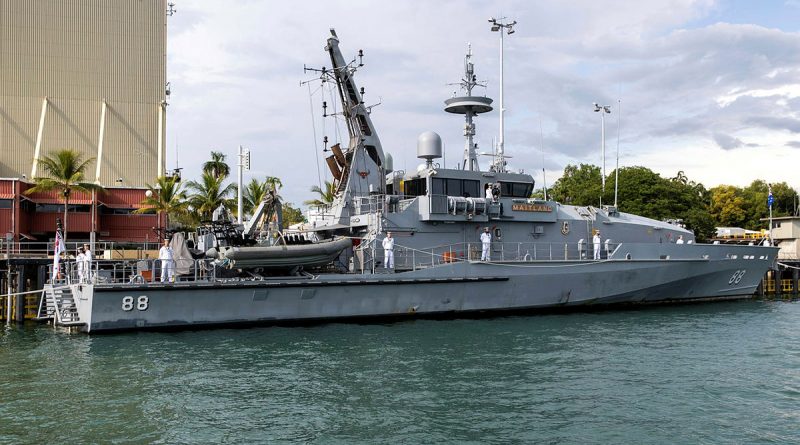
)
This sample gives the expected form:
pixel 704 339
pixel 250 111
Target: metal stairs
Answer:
pixel 58 304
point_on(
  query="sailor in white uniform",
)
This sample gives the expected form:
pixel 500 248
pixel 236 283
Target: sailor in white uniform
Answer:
pixel 388 251
pixel 80 261
pixel 596 243
pixel 87 262
pixel 167 262
pixel 486 244
pixel 679 240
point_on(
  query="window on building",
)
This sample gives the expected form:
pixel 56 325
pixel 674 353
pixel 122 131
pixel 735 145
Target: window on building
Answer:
pixel 59 208
pixel 6 203
pixel 109 211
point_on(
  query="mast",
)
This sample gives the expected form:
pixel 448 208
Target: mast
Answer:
pixel 470 106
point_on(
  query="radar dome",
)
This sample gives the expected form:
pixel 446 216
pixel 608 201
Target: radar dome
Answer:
pixel 429 146
pixel 388 164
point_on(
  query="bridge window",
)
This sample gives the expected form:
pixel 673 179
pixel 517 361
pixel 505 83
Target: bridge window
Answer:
pixel 516 189
pixel 415 187
pixel 467 188
pixel 472 189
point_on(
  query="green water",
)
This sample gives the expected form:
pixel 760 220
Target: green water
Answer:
pixel 703 373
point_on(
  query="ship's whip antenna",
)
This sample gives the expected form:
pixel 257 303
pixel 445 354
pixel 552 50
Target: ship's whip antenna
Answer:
pixel 541 145
pixel 314 128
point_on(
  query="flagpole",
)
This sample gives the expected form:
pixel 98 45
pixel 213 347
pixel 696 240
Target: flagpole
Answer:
pixel 769 201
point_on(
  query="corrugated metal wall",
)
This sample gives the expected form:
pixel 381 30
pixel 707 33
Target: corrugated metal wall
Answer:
pixel 78 53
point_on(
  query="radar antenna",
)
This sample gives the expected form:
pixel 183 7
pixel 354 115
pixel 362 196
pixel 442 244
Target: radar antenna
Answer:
pixel 470 106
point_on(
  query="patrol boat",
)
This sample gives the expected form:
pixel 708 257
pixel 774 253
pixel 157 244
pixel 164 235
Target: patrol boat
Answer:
pixel 541 253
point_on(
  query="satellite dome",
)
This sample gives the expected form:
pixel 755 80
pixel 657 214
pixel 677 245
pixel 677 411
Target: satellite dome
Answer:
pixel 429 146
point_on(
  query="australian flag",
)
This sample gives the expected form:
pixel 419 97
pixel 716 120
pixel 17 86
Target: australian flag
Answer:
pixel 770 199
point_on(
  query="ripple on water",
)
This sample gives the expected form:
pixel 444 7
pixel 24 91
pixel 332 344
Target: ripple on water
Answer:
pixel 706 373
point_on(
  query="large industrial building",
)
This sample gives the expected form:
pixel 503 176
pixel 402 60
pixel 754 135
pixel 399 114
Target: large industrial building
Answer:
pixel 87 75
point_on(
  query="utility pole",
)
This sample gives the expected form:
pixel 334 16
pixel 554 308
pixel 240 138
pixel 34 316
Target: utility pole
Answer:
pixel 603 110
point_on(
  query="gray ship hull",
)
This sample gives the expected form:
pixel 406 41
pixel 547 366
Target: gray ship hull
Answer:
pixel 447 289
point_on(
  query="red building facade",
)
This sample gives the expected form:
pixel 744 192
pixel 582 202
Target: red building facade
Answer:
pixel 32 217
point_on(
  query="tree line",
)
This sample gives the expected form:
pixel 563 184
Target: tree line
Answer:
pixel 190 203
pixel 646 193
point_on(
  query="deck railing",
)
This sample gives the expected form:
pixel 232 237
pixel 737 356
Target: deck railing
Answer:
pixel 134 271
pixel 39 249
pixel 411 258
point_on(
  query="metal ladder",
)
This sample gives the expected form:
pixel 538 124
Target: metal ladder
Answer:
pixel 58 304
pixel 374 227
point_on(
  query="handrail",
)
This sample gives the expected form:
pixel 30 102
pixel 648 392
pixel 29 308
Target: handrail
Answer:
pixel 134 271
pixel 407 257
pixel 45 248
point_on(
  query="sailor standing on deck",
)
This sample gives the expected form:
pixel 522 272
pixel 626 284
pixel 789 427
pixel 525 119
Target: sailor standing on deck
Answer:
pixel 80 260
pixel 388 251
pixel 679 240
pixel 486 243
pixel 87 262
pixel 167 262
pixel 596 242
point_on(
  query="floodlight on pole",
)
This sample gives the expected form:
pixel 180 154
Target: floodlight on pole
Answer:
pixel 603 110
pixel 504 27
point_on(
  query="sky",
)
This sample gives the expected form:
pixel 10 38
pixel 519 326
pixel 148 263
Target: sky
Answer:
pixel 710 88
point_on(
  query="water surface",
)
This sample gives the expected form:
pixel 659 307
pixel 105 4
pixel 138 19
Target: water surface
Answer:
pixel 701 373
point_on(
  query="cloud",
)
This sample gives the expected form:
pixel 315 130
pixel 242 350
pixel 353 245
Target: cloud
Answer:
pixel 793 144
pixel 727 142
pixel 236 74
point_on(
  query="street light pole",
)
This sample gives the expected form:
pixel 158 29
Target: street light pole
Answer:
pixel 603 110
pixel 503 28
pixel 244 163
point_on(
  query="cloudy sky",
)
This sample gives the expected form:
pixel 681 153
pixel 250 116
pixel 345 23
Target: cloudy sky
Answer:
pixel 708 87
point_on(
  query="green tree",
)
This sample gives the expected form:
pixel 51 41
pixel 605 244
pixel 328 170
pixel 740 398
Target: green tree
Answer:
pixel 217 167
pixel 65 171
pixel 253 194
pixel 579 185
pixel 166 198
pixel 325 198
pixel 727 206
pixel 291 215
pixel 210 193
pixel 756 207
pixel 274 182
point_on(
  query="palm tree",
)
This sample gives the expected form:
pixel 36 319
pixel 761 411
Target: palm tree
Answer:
pixel 209 194
pixel 166 197
pixel 217 167
pixel 326 196
pixel 253 194
pixel 64 170
pixel 274 183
